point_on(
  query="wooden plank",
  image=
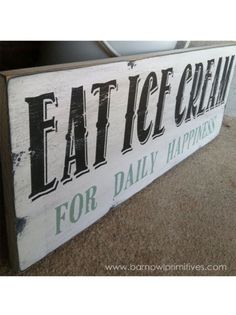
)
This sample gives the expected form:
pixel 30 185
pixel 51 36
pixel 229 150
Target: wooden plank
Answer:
pixel 79 139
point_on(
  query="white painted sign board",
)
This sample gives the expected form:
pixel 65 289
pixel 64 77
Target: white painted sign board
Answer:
pixel 78 139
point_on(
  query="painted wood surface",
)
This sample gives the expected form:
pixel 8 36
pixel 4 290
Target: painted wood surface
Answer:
pixel 79 139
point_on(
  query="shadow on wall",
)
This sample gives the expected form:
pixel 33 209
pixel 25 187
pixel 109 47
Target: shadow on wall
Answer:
pixel 39 53
pixel 32 54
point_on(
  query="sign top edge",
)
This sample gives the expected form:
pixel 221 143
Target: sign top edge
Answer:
pixel 88 63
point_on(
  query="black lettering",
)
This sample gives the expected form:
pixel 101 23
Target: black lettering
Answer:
pixel 211 101
pixel 186 77
pixel 39 127
pixel 102 124
pixel 208 77
pixel 78 142
pixel 149 87
pixel 225 80
pixel 130 114
pixel 164 90
pixel 195 91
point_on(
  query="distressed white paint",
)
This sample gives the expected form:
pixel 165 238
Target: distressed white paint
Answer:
pixel 39 237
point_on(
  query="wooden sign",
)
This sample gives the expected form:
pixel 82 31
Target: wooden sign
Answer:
pixel 78 139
